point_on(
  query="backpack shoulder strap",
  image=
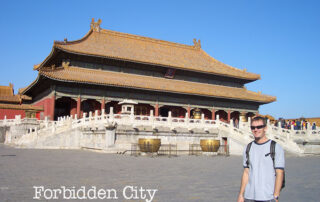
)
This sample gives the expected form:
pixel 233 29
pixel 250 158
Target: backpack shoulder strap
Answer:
pixel 273 150
pixel 247 153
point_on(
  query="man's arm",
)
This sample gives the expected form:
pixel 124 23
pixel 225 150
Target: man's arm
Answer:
pixel 244 182
pixel 278 182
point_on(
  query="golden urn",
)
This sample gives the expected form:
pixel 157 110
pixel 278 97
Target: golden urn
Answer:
pixel 197 113
pixel 149 145
pixel 209 145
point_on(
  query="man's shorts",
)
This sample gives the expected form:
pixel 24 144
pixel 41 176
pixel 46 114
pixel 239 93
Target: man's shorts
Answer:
pixel 249 200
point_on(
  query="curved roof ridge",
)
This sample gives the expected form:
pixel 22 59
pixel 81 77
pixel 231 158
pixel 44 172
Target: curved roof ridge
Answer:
pixel 66 42
pixel 149 39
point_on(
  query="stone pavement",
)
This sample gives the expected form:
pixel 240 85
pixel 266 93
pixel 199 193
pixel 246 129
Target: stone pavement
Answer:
pixel 182 178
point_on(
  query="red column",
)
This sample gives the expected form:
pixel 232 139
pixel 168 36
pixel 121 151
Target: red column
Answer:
pixel 53 100
pixel 213 114
pixel 189 110
pixel 229 115
pixel 79 107
pixel 103 104
pixel 157 110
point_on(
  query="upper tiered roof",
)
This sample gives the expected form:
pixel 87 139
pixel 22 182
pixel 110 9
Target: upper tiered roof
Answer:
pixel 116 45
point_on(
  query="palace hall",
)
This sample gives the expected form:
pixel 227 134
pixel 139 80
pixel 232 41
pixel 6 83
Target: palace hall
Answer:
pixel 106 68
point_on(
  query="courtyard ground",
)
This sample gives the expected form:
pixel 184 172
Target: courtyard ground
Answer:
pixel 182 178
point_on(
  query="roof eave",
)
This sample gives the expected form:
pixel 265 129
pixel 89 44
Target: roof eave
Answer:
pixel 131 87
pixel 31 85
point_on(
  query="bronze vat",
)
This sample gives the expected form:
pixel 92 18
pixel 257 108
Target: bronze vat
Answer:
pixel 209 145
pixel 149 145
pixel 197 113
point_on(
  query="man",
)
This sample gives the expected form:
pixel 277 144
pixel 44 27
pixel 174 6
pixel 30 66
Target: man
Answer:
pixel 261 180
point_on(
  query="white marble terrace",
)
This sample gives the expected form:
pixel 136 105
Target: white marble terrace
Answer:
pixel 299 142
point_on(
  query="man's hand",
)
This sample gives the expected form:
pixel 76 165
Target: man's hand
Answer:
pixel 244 182
pixel 241 198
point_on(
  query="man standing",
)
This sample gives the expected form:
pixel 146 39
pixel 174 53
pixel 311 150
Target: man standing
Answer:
pixel 261 178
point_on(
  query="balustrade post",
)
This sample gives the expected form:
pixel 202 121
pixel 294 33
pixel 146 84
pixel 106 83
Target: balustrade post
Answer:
pixel 103 111
pixel 151 116
pixel 231 126
pixel 90 114
pixel 169 118
pixel 217 118
pixel 76 117
pixel 186 120
pixel 111 111
pixel 5 120
pixel 46 121
pixel 202 118
pixel 132 115
pixel 96 115
pixel 111 115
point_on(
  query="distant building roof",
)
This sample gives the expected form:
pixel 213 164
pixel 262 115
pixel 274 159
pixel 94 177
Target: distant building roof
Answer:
pixel 7 95
pixel 21 107
pixel 6 90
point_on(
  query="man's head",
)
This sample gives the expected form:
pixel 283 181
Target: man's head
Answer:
pixel 259 127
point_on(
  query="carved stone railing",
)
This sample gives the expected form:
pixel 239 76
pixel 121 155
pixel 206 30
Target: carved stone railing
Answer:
pixel 288 138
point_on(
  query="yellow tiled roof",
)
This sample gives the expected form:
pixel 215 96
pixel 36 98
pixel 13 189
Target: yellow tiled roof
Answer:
pixel 13 99
pixel 6 90
pixel 101 77
pixel 122 46
pixel 7 95
pixel 21 107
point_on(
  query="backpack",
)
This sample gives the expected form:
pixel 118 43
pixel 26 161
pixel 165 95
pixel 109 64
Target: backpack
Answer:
pixel 272 155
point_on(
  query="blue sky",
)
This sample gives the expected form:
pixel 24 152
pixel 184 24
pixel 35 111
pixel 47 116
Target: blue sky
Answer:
pixel 278 39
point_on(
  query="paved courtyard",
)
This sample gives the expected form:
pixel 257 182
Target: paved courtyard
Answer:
pixel 183 178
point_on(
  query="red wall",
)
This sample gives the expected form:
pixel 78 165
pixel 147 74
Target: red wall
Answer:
pixel 47 106
pixel 11 113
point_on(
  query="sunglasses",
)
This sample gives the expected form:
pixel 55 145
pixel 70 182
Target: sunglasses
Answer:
pixel 257 127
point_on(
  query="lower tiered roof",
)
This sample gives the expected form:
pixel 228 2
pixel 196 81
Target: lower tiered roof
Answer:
pixel 109 78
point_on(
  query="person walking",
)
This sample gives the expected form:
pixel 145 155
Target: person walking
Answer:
pixel 262 176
